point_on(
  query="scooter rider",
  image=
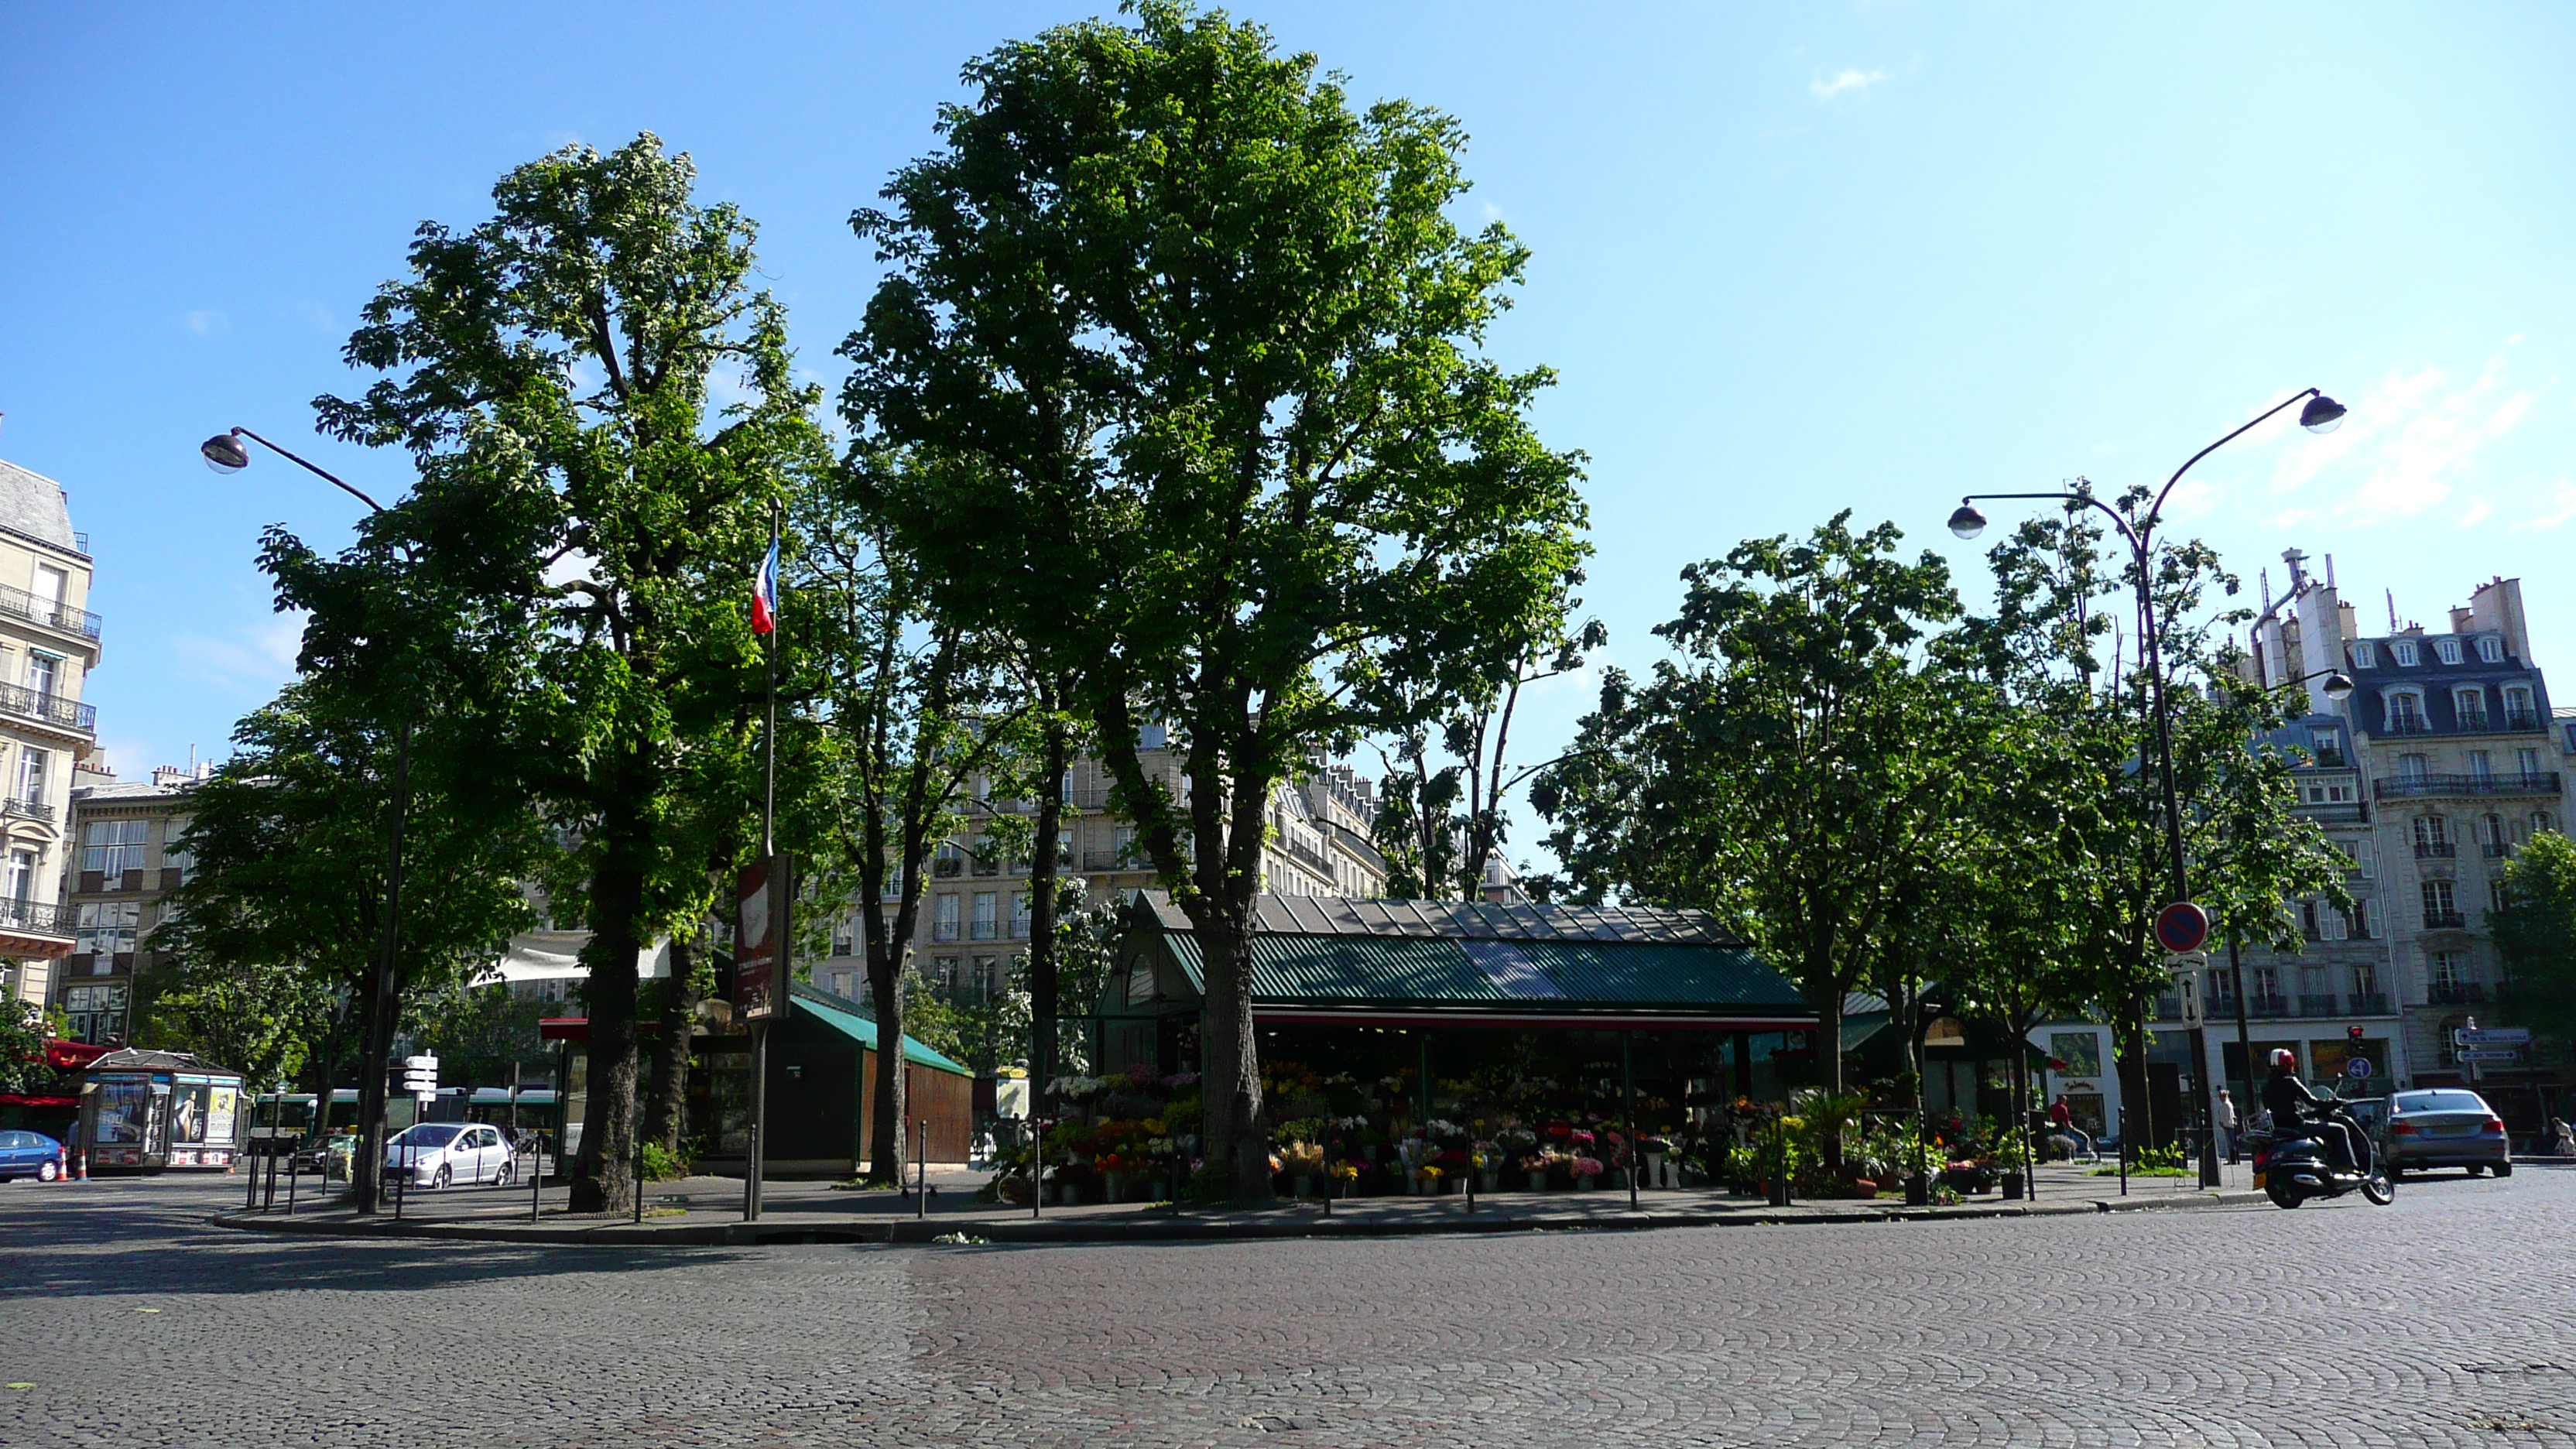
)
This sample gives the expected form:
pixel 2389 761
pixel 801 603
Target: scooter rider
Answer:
pixel 2296 1111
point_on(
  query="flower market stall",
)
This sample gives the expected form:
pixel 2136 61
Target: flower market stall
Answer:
pixel 1408 1046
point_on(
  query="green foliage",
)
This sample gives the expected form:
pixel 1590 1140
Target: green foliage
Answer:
pixel 596 514
pixel 661 1164
pixel 1188 348
pixel 2535 933
pixel 1800 771
pixel 479 1033
pixel 22 1047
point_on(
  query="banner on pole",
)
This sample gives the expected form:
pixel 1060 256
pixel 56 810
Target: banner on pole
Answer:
pixel 761 958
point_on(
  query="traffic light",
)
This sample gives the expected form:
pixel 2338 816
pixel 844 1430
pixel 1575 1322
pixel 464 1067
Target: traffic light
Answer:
pixel 2353 1034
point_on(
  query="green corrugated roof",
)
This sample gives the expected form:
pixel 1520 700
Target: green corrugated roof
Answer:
pixel 1366 968
pixel 863 1031
pixel 1608 973
pixel 1861 1026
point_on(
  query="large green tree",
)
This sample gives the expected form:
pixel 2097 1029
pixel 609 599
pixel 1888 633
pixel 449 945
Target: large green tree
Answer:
pixel 2535 933
pixel 1193 347
pixel 560 374
pixel 1798 771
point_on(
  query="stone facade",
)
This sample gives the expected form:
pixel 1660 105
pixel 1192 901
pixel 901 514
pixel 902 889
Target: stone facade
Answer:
pixel 49 642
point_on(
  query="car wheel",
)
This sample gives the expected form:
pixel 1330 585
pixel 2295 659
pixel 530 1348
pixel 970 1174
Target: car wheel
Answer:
pixel 2504 1169
pixel 505 1174
pixel 441 1179
pixel 2474 1169
pixel 49 1172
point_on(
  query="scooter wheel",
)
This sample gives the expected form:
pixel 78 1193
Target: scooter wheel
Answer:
pixel 2283 1195
pixel 2379 1189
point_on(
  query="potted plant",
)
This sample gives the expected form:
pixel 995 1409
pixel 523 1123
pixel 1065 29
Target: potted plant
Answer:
pixel 1304 1161
pixel 1586 1170
pixel 2011 1160
pixel 1655 1151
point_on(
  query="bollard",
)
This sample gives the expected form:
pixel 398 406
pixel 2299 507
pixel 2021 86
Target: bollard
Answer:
pixel 292 1173
pixel 537 1178
pixel 921 1170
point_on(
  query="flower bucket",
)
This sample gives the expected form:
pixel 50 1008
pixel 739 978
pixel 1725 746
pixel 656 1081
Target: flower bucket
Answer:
pixel 1654 1169
pixel 1584 1183
pixel 1537 1181
pixel 1301 1186
pixel 1493 1181
pixel 1113 1187
pixel 1619 1178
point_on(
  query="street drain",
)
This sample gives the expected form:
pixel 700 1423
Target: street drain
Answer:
pixel 1279 1424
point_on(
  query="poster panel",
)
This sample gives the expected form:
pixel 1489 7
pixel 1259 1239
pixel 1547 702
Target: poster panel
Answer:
pixel 760 944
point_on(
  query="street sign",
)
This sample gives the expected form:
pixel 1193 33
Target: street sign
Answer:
pixel 2182 928
pixel 2487 1054
pixel 2358 1069
pixel 2492 1036
pixel 761 952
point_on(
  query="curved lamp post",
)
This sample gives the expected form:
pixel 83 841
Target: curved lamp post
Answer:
pixel 2321 414
pixel 225 454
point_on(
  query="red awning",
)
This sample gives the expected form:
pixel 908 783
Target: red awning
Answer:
pixel 67 1056
pixel 14 1099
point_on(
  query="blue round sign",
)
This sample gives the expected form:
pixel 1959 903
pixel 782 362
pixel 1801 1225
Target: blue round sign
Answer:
pixel 2182 928
pixel 2358 1068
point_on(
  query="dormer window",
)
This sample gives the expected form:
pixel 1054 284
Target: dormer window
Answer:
pixel 2406 713
pixel 2330 747
pixel 2471 706
pixel 2448 646
pixel 2405 653
pixel 2365 655
pixel 2491 649
pixel 2518 713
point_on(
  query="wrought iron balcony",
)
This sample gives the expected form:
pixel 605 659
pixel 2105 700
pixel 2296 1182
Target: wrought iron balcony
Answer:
pixel 53 709
pixel 2457 993
pixel 2408 724
pixel 40 917
pixel 2267 1006
pixel 2435 850
pixel 2445 921
pixel 2317 1003
pixel 2416 787
pixel 27 810
pixel 2521 721
pixel 18 603
pixel 2370 1003
pixel 2495 849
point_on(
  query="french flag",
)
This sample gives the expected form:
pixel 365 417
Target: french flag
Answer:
pixel 764 594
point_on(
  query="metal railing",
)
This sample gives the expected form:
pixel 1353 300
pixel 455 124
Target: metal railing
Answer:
pixel 2409 724
pixel 27 809
pixel 2495 849
pixel 2316 1003
pixel 2473 721
pixel 2409 787
pixel 52 615
pixel 51 708
pixel 2267 1006
pixel 1106 860
pixel 2521 721
pixel 38 916
pixel 2370 1003
pixel 2445 921
pixel 2457 993
pixel 2435 850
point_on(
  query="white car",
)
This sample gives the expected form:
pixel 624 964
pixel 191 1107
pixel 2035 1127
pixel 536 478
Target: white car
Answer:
pixel 435 1154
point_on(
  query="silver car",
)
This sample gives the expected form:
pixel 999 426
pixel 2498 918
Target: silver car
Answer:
pixel 2445 1127
pixel 435 1154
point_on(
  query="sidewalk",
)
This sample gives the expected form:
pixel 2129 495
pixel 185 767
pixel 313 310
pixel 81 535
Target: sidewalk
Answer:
pixel 707 1211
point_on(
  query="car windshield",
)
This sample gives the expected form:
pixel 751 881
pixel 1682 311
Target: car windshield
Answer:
pixel 434 1134
pixel 2441 1102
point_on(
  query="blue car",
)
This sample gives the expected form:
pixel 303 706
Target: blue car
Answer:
pixel 30 1154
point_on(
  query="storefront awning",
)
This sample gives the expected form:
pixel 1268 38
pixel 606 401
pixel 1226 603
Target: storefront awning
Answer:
pixel 842 1017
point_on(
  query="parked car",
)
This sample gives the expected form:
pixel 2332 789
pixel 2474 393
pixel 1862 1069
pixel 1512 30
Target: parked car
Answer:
pixel 2444 1127
pixel 436 1154
pixel 31 1154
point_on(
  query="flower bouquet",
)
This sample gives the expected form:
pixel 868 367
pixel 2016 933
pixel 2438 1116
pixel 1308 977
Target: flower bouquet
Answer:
pixel 1585 1170
pixel 1302 1161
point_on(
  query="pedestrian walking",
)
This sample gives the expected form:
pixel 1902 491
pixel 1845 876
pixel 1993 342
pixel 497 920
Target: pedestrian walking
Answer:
pixel 2227 1123
pixel 2061 1122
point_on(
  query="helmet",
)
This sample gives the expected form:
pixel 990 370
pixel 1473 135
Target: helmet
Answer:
pixel 2284 1060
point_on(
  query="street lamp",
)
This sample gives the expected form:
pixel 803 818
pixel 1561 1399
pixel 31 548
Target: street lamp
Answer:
pixel 2321 414
pixel 225 454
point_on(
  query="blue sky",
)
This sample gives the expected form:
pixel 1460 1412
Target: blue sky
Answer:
pixel 1788 260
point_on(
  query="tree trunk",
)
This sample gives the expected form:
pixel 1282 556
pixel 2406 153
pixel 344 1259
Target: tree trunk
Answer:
pixel 1237 1137
pixel 887 1135
pixel 1043 1007
pixel 666 1115
pixel 603 1175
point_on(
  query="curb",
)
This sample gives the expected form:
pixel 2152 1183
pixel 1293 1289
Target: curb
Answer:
pixel 1172 1230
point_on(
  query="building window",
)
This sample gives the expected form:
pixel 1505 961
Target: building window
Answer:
pixel 32 765
pixel 2369 922
pixel 2472 707
pixel 2448 647
pixel 2332 792
pixel 2441 909
pixel 42 671
pixel 988 856
pixel 106 928
pixel 947 860
pixel 22 876
pixel 2491 649
pixel 2451 974
pixel 2432 837
pixel 943 918
pixel 2403 651
pixel 988 977
pixel 2365 987
pixel 2406 713
pixel 988 918
pixel 2495 893
pixel 2481 765
pixel 97 1013
pixel 2338 925
pixel 1020 907
pixel 2361 855
pixel 2365 654
pixel 2492 842
pixel 2308 923
pixel 112 847
pixel 944 972
pixel 2267 983
pixel 2330 747
pixel 2539 821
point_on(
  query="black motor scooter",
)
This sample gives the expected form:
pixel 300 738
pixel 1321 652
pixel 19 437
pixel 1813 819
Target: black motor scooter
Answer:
pixel 2294 1168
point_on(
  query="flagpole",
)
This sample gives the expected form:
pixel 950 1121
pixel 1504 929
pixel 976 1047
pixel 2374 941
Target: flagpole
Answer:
pixel 756 1149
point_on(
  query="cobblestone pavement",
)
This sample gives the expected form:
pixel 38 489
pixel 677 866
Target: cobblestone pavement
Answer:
pixel 2448 1319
